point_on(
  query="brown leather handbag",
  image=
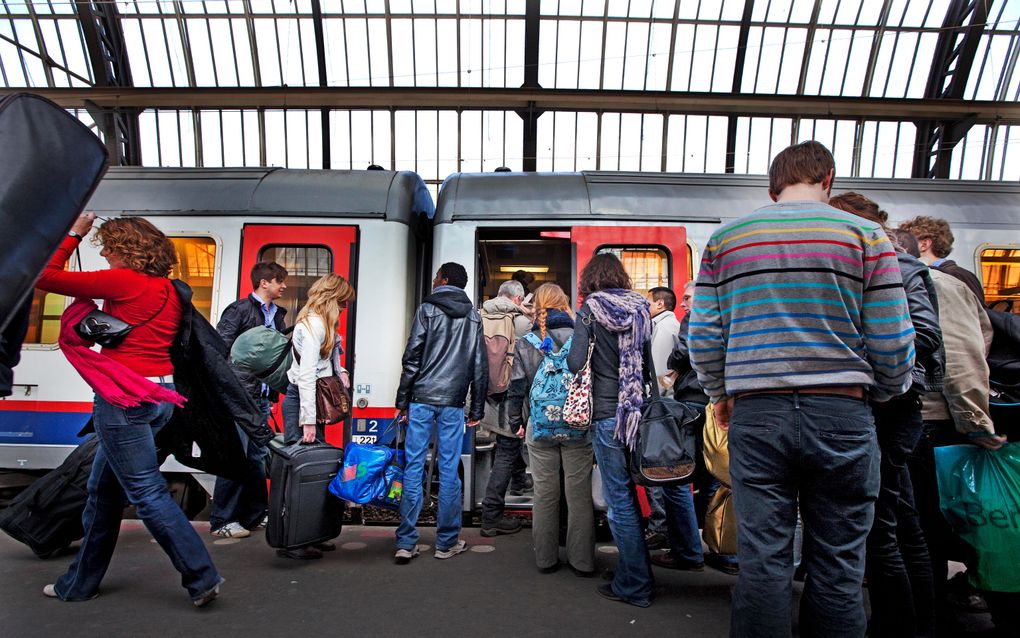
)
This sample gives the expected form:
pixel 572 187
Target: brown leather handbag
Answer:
pixel 332 397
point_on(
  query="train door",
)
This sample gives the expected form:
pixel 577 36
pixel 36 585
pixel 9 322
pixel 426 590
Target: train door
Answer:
pixel 307 252
pixel 652 255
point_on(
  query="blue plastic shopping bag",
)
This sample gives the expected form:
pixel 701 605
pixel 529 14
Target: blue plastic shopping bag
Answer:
pixel 979 494
pixel 362 477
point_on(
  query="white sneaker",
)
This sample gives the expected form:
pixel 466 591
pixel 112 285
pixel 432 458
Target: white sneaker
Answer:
pixel 263 523
pixel 460 547
pixel 231 530
pixel 49 591
pixel 404 556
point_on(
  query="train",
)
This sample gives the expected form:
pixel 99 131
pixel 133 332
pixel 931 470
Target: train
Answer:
pixel 383 231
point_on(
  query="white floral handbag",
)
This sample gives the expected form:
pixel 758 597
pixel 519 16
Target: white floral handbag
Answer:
pixel 578 407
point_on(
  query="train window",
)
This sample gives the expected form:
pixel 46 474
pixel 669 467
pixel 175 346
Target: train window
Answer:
pixel 648 266
pixel 197 268
pixel 1000 273
pixel 44 317
pixel 304 265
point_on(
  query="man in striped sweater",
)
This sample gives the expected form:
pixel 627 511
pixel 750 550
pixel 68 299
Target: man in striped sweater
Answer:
pixel 799 318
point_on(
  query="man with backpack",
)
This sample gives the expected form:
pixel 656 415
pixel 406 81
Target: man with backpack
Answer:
pixel 444 357
pixel 241 506
pixel 503 323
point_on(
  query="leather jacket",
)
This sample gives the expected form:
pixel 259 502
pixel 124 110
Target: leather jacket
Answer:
pixel 922 301
pixel 445 354
pixel 245 314
pixel 686 388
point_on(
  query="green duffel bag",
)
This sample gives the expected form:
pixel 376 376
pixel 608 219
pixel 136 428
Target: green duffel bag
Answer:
pixel 264 353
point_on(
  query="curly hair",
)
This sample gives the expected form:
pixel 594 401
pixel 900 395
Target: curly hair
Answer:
pixel 602 272
pixel 143 247
pixel 548 297
pixel 933 228
pixel 325 297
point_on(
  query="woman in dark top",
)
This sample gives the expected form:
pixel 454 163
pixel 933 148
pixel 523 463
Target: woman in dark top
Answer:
pixel 618 319
pixel 136 289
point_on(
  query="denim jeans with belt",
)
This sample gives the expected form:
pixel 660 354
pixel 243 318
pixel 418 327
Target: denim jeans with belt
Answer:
pixel 448 422
pixel 246 501
pixel 126 470
pixel 632 579
pixel 822 450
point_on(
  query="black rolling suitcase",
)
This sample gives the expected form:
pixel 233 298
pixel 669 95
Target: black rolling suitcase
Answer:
pixel 47 515
pixel 301 509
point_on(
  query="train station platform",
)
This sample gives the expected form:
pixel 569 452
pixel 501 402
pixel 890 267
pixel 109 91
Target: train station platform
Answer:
pixel 492 590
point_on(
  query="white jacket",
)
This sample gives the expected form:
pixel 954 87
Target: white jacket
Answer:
pixel 665 326
pixel 307 340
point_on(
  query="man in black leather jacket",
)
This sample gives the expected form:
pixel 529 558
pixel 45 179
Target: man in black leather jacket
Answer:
pixel 445 354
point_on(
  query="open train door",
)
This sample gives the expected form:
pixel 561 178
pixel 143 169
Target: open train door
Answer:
pixel 307 252
pixel 653 255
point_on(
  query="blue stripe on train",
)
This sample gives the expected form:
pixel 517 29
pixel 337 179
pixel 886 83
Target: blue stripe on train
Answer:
pixel 18 427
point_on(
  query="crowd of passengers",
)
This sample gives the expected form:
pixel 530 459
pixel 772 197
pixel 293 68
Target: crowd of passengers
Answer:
pixel 835 351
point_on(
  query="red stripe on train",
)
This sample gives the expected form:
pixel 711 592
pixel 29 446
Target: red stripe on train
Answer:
pixel 46 406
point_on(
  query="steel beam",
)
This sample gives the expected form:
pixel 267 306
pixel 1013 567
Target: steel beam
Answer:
pixel 569 100
pixel 954 57
pixel 320 58
pixel 530 112
pixel 107 50
pixel 738 78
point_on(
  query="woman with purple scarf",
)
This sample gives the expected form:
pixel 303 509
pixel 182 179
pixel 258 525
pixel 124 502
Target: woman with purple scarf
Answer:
pixel 617 318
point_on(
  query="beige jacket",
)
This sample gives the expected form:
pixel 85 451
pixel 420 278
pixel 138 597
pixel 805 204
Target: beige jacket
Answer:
pixel 964 397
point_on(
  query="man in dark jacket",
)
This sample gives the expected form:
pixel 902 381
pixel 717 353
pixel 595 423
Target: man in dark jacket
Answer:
pixel 239 506
pixel 445 354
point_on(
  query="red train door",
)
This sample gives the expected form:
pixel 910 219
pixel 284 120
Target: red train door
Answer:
pixel 653 255
pixel 307 252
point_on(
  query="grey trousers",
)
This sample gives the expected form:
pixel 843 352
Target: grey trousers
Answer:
pixel 576 462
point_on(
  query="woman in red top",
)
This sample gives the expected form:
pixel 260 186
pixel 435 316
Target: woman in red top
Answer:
pixel 136 289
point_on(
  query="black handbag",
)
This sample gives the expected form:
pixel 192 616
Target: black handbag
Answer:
pixel 664 451
pixel 109 331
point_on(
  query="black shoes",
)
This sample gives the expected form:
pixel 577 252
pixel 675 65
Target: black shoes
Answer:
pixel 551 569
pixel 505 525
pixel 715 561
pixel 669 561
pixel 606 591
pixel 518 489
pixel 300 553
pixel 655 540
pixel 325 547
pixel 583 574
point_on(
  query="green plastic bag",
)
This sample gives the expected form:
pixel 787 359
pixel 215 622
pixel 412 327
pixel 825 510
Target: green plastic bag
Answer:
pixel 979 493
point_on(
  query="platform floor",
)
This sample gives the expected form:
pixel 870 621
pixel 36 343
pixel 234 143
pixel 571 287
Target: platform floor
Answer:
pixel 491 590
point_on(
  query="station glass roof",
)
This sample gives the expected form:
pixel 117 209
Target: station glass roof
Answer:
pixel 888 51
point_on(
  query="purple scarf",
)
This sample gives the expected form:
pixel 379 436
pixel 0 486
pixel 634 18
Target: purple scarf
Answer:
pixel 625 312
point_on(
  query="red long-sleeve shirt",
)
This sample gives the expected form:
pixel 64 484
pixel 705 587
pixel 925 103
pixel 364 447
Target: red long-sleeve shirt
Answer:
pixel 129 295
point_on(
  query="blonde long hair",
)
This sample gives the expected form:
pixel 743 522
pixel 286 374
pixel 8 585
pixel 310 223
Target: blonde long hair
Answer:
pixel 325 298
pixel 550 297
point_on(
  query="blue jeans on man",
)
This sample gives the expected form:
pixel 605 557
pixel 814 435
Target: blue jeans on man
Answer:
pixel 245 501
pixel 632 577
pixel 448 424
pixel 821 450
pixel 126 470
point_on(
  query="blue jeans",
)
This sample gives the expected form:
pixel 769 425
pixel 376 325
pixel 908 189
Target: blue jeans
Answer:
pixel 422 420
pixel 246 501
pixel 632 579
pixel 682 523
pixel 823 450
pixel 126 470
pixel 291 408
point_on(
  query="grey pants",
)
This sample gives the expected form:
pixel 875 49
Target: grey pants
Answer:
pixel 576 461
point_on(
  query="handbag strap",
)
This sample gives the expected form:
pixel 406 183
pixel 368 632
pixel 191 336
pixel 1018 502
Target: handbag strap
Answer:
pixel 590 323
pixel 651 367
pixel 166 299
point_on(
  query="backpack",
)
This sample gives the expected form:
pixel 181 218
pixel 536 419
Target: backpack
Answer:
pixel 264 353
pixel 549 392
pixel 498 329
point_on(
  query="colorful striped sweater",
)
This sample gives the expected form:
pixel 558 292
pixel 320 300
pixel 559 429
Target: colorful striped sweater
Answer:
pixel 800 294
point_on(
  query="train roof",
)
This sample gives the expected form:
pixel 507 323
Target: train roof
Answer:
pixel 674 197
pixel 399 196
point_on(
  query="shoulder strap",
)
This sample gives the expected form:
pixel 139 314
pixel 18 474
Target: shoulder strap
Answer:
pixel 533 340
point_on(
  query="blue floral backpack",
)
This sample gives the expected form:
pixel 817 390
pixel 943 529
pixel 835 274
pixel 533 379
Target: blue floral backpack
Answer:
pixel 549 392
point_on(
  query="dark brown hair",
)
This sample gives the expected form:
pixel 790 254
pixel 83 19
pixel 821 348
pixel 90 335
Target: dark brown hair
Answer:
pixel 805 163
pixel 602 272
pixel 665 295
pixel 933 228
pixel 268 270
pixel 143 247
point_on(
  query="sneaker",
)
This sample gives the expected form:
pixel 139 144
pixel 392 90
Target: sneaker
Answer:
pixel 459 548
pixel 655 540
pixel 669 561
pixel 505 525
pixel 204 599
pixel 404 556
pixel 231 530
pixel 262 524
pixel 50 591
